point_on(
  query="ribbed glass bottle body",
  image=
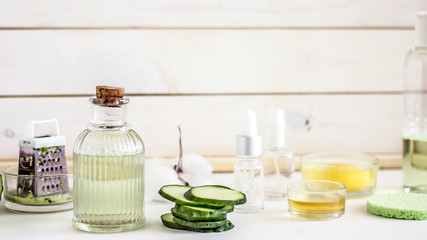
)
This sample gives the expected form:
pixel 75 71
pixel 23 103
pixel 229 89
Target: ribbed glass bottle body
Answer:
pixel 108 178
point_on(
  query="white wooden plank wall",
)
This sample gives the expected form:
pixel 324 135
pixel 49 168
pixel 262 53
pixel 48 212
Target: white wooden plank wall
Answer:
pixel 210 123
pixel 335 66
pixel 209 13
pixel 203 61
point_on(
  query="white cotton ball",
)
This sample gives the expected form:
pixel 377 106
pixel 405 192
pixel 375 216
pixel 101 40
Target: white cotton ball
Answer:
pixel 158 174
pixel 196 169
pixel 197 179
pixel 197 164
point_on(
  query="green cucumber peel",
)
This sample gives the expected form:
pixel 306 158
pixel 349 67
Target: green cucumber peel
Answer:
pixel 168 221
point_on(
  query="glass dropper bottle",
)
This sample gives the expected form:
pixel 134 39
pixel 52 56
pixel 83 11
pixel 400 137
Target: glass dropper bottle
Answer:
pixel 249 170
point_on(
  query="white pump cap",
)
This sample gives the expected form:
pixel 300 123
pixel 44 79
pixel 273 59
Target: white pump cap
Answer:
pixel 276 130
pixel 421 29
pixel 249 143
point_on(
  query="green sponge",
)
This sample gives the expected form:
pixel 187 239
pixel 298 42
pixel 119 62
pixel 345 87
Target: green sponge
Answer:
pixel 411 206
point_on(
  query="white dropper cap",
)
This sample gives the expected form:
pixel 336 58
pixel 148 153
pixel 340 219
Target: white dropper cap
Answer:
pixel 276 130
pixel 421 30
pixel 249 143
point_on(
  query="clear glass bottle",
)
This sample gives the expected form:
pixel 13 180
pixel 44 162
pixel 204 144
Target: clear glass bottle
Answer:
pixel 108 170
pixel 414 164
pixel 248 170
pixel 278 172
pixel 277 160
pixel 248 175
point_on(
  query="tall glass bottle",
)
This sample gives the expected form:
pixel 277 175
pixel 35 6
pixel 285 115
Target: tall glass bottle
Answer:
pixel 414 164
pixel 108 168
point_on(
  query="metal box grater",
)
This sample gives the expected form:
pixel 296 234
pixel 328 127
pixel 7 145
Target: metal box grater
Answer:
pixel 42 154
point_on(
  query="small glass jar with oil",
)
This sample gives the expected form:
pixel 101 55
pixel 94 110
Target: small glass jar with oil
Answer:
pixel 316 199
pixel 358 171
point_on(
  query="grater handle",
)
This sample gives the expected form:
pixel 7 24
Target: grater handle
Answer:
pixel 53 128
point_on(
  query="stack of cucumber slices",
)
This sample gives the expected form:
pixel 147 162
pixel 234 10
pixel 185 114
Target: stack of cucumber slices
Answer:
pixel 200 209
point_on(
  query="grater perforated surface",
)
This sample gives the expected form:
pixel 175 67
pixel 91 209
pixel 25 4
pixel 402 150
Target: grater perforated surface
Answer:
pixel 47 167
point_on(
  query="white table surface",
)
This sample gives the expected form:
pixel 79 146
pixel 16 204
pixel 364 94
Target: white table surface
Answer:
pixel 272 223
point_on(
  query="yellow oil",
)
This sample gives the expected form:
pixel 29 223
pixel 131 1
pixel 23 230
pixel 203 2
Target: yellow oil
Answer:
pixel 356 179
pixel 312 206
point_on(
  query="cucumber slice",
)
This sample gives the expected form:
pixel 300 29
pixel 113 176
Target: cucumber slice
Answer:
pixel 194 218
pixel 175 193
pixel 186 223
pixel 203 212
pixel 167 220
pixel 215 194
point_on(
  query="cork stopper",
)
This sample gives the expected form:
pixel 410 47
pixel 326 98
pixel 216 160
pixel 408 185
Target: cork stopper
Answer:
pixel 106 95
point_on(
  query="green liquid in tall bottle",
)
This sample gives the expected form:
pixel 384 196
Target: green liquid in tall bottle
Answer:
pixel 110 192
pixel 414 166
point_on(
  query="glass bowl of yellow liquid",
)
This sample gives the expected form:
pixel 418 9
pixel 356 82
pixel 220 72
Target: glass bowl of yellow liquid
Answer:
pixel 316 199
pixel 358 171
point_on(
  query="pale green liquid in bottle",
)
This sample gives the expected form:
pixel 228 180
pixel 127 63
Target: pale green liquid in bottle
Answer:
pixel 111 191
pixel 414 166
